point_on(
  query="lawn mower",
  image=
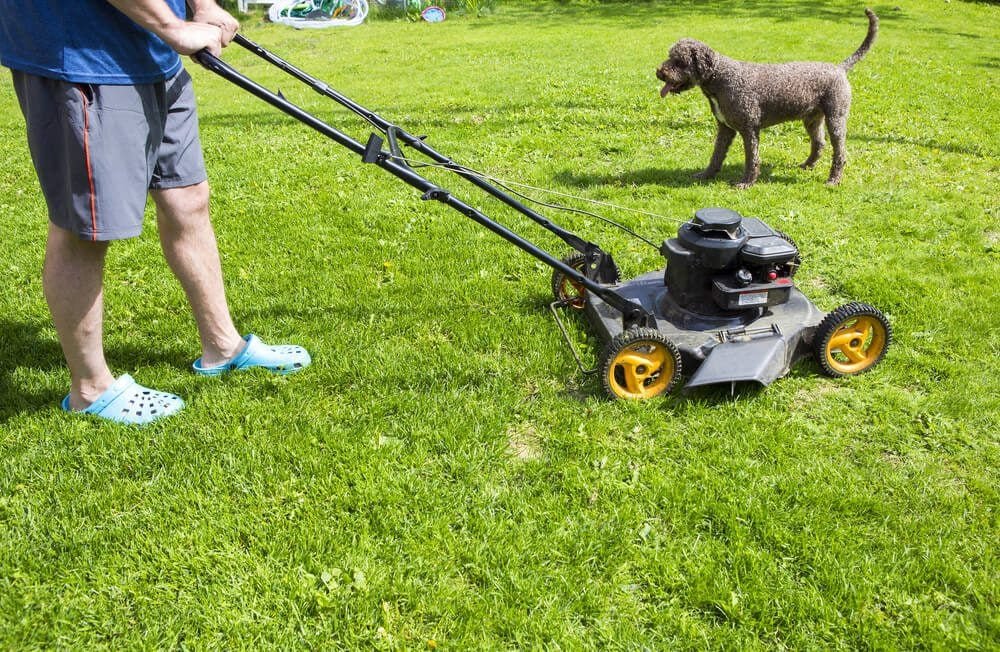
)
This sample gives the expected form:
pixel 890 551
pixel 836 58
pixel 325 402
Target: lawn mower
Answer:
pixel 725 309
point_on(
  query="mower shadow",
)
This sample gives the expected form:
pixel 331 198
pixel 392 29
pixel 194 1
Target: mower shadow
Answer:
pixel 30 345
pixel 589 387
pixel 417 114
pixel 720 394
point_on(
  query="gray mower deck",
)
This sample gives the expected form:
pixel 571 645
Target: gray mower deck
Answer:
pixel 718 349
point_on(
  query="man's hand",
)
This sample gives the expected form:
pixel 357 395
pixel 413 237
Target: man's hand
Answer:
pixel 188 38
pixel 209 13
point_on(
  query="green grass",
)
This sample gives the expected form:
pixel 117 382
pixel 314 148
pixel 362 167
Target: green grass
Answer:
pixel 442 473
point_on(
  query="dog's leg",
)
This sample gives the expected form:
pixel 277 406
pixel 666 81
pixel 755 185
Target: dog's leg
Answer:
pixel 837 126
pixel 723 139
pixel 751 168
pixel 817 138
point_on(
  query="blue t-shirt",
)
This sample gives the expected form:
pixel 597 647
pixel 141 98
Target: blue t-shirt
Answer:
pixel 86 41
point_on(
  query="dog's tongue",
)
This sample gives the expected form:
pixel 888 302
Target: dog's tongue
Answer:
pixel 665 90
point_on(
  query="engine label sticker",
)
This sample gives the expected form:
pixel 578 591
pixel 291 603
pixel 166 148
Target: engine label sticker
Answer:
pixel 753 299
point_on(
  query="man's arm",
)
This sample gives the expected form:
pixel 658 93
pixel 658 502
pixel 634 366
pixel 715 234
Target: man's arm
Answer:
pixel 183 36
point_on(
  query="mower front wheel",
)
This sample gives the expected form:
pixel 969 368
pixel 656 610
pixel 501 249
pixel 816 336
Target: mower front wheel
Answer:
pixel 640 363
pixel 852 339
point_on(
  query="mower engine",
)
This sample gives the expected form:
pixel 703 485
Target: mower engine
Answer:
pixel 721 263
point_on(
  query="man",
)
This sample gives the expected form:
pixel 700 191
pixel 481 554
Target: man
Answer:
pixel 110 117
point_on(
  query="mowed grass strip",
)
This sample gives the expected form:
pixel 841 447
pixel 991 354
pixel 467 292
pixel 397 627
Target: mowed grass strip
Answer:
pixel 442 476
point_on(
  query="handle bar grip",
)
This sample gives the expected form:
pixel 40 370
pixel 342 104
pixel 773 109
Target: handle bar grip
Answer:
pixel 205 58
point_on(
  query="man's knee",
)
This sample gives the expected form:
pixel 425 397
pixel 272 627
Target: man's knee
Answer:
pixel 64 242
pixel 182 204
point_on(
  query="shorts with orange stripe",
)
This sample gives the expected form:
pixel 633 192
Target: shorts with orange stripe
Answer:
pixel 98 149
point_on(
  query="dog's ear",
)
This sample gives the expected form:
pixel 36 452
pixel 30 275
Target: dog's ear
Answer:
pixel 703 59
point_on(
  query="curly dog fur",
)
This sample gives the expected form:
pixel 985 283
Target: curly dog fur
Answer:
pixel 747 97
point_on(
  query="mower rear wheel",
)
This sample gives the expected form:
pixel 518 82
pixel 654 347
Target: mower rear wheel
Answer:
pixel 566 289
pixel 797 261
pixel 640 363
pixel 852 339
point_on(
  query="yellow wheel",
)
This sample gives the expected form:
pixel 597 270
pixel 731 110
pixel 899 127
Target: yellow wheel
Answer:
pixel 566 289
pixel 640 363
pixel 852 339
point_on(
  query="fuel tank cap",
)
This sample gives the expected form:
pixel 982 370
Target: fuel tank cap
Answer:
pixel 722 220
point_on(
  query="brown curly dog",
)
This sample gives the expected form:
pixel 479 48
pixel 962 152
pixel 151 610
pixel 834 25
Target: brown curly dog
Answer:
pixel 747 97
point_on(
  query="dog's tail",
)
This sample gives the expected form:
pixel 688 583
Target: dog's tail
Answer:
pixel 849 62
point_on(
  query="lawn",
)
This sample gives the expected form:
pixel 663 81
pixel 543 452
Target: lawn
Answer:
pixel 443 476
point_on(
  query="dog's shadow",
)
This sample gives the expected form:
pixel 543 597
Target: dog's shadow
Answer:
pixel 673 178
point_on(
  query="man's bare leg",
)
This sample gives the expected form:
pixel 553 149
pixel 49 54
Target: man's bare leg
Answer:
pixel 188 242
pixel 73 282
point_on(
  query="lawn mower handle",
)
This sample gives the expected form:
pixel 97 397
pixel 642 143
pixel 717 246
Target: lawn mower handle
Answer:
pixel 632 313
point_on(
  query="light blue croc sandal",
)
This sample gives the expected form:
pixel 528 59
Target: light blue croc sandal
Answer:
pixel 281 359
pixel 126 401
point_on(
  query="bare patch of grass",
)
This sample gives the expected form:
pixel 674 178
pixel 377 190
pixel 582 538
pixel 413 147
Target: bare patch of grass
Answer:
pixel 524 443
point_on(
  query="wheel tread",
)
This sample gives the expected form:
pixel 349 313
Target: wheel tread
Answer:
pixel 833 320
pixel 630 336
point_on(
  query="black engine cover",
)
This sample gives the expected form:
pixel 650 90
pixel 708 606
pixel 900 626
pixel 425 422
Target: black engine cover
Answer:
pixel 722 261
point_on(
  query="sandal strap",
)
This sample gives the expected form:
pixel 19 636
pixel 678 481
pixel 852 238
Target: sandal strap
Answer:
pixel 253 349
pixel 235 362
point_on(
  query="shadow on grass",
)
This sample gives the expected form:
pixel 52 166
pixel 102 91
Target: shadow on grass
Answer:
pixel 674 178
pixel 591 386
pixel 25 346
pixel 443 113
pixel 926 143
pixel 722 392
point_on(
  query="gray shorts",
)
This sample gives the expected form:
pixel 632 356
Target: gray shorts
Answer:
pixel 99 148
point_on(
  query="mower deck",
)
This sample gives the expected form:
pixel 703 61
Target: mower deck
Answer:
pixel 719 349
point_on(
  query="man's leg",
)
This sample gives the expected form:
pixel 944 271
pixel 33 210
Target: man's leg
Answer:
pixel 188 242
pixel 181 194
pixel 73 281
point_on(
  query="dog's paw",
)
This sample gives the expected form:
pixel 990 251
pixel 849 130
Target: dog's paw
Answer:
pixel 704 174
pixel 742 184
pixel 833 182
pixel 807 165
